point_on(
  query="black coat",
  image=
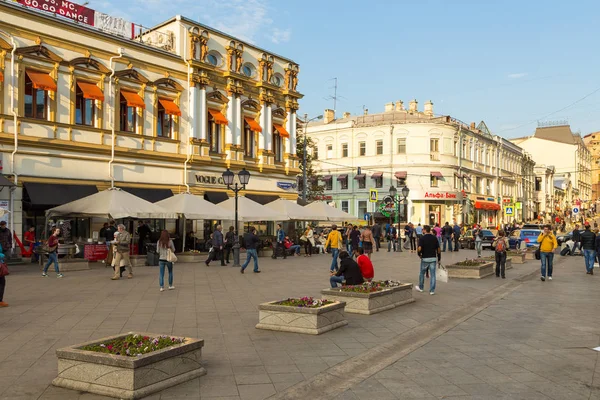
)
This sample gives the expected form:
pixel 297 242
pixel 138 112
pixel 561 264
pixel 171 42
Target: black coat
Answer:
pixel 350 270
pixel 588 240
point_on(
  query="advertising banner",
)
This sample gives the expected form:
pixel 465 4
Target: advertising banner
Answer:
pixel 73 11
pixel 113 25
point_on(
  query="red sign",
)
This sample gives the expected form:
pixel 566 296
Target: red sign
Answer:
pixel 95 252
pixel 440 195
pixel 323 197
pixel 63 8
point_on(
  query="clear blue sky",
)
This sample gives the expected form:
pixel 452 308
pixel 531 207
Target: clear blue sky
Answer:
pixel 506 62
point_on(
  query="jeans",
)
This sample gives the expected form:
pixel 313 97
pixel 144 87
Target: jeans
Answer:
pixel 251 253
pixel 391 244
pixel 295 248
pixel 334 280
pixel 447 239
pixel 377 242
pixel 334 259
pixel 52 258
pixel 2 286
pixel 590 256
pixel 349 246
pixel 428 263
pixel 456 242
pixel 501 263
pixel 576 245
pixel 161 274
pixel 478 246
pixel 547 258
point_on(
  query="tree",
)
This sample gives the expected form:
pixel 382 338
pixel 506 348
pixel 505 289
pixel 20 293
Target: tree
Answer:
pixel 313 190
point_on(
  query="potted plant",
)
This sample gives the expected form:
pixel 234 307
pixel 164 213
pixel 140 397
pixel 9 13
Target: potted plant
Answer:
pixel 471 269
pixel 372 297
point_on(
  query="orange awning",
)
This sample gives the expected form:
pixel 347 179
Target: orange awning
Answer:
pixel 254 126
pixel 133 99
pixel 281 130
pixel 42 80
pixel 170 107
pixel 91 91
pixel 218 116
pixel 1 76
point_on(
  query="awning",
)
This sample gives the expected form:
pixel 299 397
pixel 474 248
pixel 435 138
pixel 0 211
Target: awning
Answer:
pixel 254 126
pixel 1 76
pixel 360 176
pixel 41 80
pixel 326 177
pixel 170 107
pixel 215 197
pixel 262 198
pixel 487 205
pixel 151 195
pixel 377 175
pixel 400 174
pixel 281 130
pixel 343 177
pixel 5 182
pixel 218 117
pixel 133 99
pixel 51 194
pixel 437 174
pixel 91 91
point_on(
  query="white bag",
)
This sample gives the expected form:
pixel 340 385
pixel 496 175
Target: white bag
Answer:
pixel 171 257
pixel 441 273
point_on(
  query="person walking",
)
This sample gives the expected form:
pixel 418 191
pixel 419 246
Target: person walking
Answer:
pixel 548 244
pixel 368 241
pixel 52 254
pixel 251 241
pixel 280 236
pixel 429 251
pixel 392 237
pixel 419 231
pixel 456 235
pixel 377 236
pixel 2 282
pixel 347 238
pixel 5 238
pixel 143 232
pixel 354 240
pixel 309 243
pixel 576 239
pixel 438 233
pixel 478 235
pixel 588 244
pixel 334 241
pixel 349 272
pixel 218 243
pixel 500 246
pixel 123 240
pixel 229 242
pixel 163 246
pixel 447 237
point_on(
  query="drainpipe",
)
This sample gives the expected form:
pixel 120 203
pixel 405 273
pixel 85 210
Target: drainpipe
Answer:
pixel 189 124
pixel 112 119
pixel 460 175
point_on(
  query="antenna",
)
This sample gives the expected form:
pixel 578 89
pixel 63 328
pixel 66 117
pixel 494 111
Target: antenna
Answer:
pixel 335 97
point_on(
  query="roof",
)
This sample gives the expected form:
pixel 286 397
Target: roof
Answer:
pixel 561 134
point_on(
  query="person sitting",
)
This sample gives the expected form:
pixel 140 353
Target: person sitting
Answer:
pixel 349 272
pixel 365 265
pixel 291 247
pixel 320 243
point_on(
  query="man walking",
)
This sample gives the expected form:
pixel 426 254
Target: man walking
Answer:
pixel 5 238
pixel 377 236
pixel 456 234
pixel 109 233
pixel 548 244
pixel 251 242
pixel 218 244
pixel 334 241
pixel 419 231
pixel 576 239
pixel 429 251
pixel 447 236
pixel 391 239
pixel 143 232
pixel 280 236
pixel 123 240
pixel 588 244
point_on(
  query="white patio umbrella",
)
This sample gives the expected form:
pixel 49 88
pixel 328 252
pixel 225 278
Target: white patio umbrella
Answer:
pixel 328 213
pixel 249 211
pixel 293 210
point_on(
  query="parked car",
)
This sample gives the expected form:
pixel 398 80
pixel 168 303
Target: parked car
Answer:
pixel 529 236
pixel 534 226
pixel 566 236
pixel 468 241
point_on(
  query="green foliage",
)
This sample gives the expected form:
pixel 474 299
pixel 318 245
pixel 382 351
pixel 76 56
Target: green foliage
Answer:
pixel 307 302
pixel 314 189
pixel 134 345
pixel 370 287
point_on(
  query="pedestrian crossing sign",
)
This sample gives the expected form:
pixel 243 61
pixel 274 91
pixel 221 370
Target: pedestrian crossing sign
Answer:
pixel 508 210
pixel 373 195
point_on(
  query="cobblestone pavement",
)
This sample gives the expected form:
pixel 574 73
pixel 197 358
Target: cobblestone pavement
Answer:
pixel 516 325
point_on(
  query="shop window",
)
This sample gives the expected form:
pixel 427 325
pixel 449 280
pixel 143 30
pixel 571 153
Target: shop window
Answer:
pixel 36 97
pixel 345 205
pixel 85 108
pixel 434 181
pixel 434 149
pixel 362 148
pixel 401 146
pixel 344 149
pixel 379 147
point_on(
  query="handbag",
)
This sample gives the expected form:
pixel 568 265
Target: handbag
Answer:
pixel 171 257
pixel 3 269
pixel 441 273
pixel 538 251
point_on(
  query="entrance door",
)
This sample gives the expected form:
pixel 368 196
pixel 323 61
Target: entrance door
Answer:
pixel 434 215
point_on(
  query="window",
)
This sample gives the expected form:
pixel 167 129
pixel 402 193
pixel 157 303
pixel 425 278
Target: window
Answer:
pixel 434 181
pixel 538 183
pixel 379 147
pixel 400 182
pixel 478 188
pixel 344 149
pixel 344 183
pixel 164 122
pixel 36 99
pixel 85 108
pixel 315 152
pixel 362 207
pixel 214 134
pixel 128 114
pixel 249 142
pixel 278 147
pixel 434 149
pixel 362 183
pixel 401 146
pixel 329 151
pixel 379 182
pixel 362 148
pixel 345 206
pixel 328 184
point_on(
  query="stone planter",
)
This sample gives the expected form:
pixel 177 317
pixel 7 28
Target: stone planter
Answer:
pixel 374 302
pixel 265 252
pixel 313 321
pixel 191 257
pixel 530 254
pixel 128 377
pixel 471 272
pixel 518 258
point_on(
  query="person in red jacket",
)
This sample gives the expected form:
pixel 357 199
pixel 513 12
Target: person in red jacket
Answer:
pixel 365 265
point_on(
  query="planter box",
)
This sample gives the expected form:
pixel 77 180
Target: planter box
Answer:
pixel 265 252
pixel 76 264
pixel 191 257
pixel 471 272
pixel 518 258
pixel 313 321
pixel 372 303
pixel 128 377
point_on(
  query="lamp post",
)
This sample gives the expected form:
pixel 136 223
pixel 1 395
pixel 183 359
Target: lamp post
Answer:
pixel 304 183
pixel 402 198
pixel 228 178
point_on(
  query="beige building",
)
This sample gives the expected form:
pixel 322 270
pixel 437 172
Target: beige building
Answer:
pixel 157 114
pixel 592 142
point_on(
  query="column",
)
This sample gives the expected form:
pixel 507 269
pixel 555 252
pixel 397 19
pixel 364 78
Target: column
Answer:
pixel 230 128
pixel 203 117
pixel 193 112
pixel 263 124
pixel 269 131
pixel 291 128
pixel 237 137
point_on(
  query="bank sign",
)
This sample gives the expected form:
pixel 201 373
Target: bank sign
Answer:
pixel 435 195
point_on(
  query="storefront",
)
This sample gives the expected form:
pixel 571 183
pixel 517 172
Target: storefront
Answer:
pixel 485 210
pixel 434 207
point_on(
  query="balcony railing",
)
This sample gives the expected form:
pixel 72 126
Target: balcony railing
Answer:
pixel 434 156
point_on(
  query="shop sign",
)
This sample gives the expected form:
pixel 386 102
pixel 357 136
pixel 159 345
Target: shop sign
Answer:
pixel 4 206
pixel 323 197
pixel 286 185
pixel 210 179
pixel 441 195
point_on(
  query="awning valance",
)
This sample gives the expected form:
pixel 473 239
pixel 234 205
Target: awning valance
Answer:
pixel 400 174
pixel 262 198
pixel 170 107
pixel 437 174
pixel 254 126
pixel 326 177
pixel 281 130
pixel 360 176
pixel 1 76
pixel 151 195
pixel 377 175
pixel 51 194
pixel 343 177
pixel 91 91
pixel 218 117
pixel 133 99
pixel 215 197
pixel 487 205
pixel 41 80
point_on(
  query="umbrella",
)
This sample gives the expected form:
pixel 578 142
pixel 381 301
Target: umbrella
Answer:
pixel 249 210
pixel 293 210
pixel 328 213
pixel 111 203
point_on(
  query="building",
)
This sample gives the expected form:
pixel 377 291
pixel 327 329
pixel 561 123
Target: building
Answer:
pixel 592 142
pixel 453 170
pixel 182 102
pixel 545 205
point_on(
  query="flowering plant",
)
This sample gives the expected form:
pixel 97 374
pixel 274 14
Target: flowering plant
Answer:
pixel 471 263
pixel 307 302
pixel 134 345
pixel 370 287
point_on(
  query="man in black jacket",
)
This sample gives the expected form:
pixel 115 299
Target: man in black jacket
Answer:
pixel 447 236
pixel 377 235
pixel 217 243
pixel 588 244
pixel 251 242
pixel 349 271
pixel 576 239
pixel 429 251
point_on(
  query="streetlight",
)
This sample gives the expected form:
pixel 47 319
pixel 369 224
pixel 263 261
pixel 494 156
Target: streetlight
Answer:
pixel 306 121
pixel 244 177
pixel 403 198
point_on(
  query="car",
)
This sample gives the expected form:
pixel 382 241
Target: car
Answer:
pixel 534 226
pixel 565 237
pixel 468 241
pixel 529 236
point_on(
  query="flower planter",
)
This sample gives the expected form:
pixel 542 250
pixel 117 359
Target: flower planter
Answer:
pixel 313 321
pixel 128 377
pixel 373 302
pixel 518 258
pixel 265 252
pixel 471 272
pixel 530 253
pixel 188 257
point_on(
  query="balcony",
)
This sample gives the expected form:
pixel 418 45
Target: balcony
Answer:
pixel 434 156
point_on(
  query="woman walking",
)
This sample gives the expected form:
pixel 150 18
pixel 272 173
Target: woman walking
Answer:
pixel 163 246
pixel 500 246
pixel 368 241
pixel 355 240
pixel 53 253
pixel 309 242
pixel 2 282
pixel 413 238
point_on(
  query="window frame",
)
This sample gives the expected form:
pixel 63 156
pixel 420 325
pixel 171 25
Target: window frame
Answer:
pixel 362 183
pixel 249 151
pixel 161 116
pixel 82 107
pixel 344 150
pixel 378 182
pixel 213 135
pixel 277 146
pixel 124 110
pixel 434 181
pixel 399 145
pixel 379 147
pixel 347 208
pixel 344 184
pixel 329 184
pixel 362 149
pixel 34 113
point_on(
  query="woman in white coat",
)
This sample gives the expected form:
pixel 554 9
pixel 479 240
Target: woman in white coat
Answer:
pixel 310 241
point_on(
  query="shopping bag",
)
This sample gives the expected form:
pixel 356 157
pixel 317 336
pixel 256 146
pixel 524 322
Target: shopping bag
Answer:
pixel 441 274
pixel 406 245
pixel 171 257
pixel 3 269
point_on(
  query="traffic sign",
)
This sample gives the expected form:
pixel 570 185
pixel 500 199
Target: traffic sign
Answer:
pixel 367 217
pixel 508 210
pixel 575 210
pixel 373 195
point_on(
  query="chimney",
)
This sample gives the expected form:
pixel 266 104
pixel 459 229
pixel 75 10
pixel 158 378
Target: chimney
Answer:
pixel 412 106
pixel 400 105
pixel 389 107
pixel 328 116
pixel 347 115
pixel 428 110
pixel 473 126
pixel 366 111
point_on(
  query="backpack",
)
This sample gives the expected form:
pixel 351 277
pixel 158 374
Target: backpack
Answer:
pixel 501 246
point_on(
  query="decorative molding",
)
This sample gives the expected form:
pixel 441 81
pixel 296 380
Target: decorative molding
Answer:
pixel 217 97
pixel 169 84
pixel 89 63
pixel 38 51
pixel 131 75
pixel 251 105
pixel 279 112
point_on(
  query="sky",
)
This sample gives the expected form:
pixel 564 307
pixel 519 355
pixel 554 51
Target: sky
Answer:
pixel 509 63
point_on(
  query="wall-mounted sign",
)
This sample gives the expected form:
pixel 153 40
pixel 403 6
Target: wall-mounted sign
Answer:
pixel 323 197
pixel 286 185
pixel 210 179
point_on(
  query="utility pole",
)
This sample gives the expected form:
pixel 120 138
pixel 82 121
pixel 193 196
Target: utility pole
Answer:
pixel 304 180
